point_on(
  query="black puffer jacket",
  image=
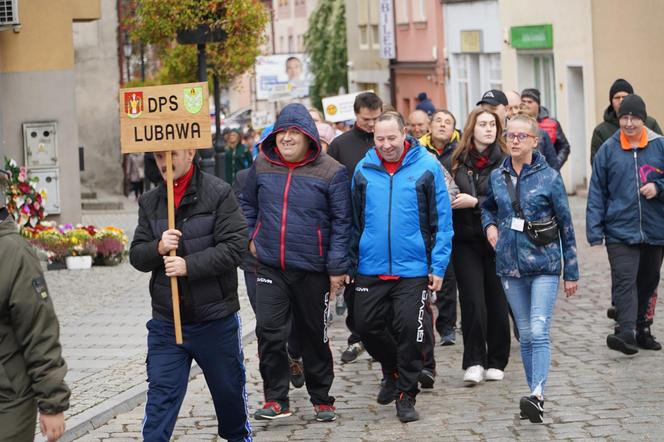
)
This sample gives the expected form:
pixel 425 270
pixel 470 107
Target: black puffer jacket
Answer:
pixel 467 222
pixel 214 236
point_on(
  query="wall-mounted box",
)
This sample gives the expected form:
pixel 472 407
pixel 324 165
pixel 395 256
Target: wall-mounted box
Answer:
pixel 40 145
pixel 49 180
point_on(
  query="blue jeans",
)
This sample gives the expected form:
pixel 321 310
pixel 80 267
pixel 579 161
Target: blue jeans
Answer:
pixel 532 299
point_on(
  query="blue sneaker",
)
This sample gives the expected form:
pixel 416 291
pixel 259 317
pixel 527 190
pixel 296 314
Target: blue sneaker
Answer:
pixel 449 338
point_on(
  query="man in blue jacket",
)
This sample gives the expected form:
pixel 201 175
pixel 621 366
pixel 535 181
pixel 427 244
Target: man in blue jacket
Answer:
pixel 625 210
pixel 297 204
pixel 402 240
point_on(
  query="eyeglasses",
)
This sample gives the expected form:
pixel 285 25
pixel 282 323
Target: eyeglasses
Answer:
pixel 521 136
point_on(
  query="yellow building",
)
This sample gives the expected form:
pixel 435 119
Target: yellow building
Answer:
pixel 572 51
pixel 37 95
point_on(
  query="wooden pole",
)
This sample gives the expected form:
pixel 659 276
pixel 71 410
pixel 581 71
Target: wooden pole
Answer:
pixel 171 225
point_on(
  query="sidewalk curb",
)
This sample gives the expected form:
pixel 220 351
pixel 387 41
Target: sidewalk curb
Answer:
pixel 100 414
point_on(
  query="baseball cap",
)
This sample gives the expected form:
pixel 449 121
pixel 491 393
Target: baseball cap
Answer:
pixel 493 97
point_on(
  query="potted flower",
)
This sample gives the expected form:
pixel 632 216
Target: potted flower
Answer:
pixel 80 246
pixel 110 243
pixel 51 241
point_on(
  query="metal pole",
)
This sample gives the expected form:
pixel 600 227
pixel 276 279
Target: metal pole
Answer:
pixel 142 62
pixel 220 155
pixel 207 155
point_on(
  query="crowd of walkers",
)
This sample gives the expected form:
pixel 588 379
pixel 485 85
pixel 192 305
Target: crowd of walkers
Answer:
pixel 396 216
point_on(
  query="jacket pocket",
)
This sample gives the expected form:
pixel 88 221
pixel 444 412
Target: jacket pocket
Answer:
pixel 14 380
pixel 320 241
pixel 7 392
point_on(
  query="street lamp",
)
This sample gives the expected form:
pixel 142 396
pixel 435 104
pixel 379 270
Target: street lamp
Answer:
pixel 127 53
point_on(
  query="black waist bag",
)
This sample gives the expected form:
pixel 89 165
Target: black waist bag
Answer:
pixel 540 232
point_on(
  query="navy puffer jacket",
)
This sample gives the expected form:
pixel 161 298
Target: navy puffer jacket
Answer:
pixel 617 213
pixel 299 216
pixel 542 194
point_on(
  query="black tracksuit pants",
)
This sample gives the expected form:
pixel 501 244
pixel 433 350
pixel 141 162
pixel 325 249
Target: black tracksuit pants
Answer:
pixel 399 348
pixel 349 298
pixel 301 300
pixel 635 274
pixel 484 310
pixel 446 302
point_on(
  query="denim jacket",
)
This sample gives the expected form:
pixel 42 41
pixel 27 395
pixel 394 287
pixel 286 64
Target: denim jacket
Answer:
pixel 542 195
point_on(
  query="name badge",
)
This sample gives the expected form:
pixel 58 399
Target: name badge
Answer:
pixel 517 224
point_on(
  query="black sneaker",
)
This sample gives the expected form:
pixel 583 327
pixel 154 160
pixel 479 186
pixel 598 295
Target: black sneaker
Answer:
pixel 388 390
pixel 611 313
pixel 624 342
pixel 532 408
pixel 352 352
pixel 426 379
pixel 296 372
pixel 646 340
pixel 406 408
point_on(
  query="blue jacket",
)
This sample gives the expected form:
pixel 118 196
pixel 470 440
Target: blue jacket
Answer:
pixel 299 217
pixel 542 195
pixel 402 223
pixel 616 211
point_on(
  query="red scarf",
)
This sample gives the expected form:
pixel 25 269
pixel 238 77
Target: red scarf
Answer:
pixel 181 184
pixel 480 159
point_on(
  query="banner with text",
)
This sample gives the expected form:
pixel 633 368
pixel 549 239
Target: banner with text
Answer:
pixel 161 118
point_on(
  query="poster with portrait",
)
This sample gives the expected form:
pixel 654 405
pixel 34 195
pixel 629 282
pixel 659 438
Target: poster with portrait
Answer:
pixel 282 77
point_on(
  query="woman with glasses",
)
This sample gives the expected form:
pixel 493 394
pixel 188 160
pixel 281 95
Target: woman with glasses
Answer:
pixel 527 220
pixel 484 312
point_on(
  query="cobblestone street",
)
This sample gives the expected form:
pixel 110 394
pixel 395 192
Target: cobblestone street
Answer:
pixel 592 392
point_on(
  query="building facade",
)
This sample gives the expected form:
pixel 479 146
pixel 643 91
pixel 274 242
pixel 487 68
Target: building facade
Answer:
pixel 473 44
pixel 572 51
pixel 366 69
pixel 97 85
pixel 420 62
pixel 38 85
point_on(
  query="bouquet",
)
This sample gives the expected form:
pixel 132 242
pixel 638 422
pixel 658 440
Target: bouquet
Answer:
pixel 24 203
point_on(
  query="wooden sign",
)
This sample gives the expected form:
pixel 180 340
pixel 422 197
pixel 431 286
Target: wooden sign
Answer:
pixel 165 118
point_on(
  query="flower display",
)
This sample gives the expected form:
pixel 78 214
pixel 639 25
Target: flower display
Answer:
pixel 110 241
pixel 24 202
pixel 107 245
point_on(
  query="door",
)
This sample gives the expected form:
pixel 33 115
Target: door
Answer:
pixel 576 132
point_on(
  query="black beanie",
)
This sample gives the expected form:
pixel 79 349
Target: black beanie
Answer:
pixel 620 85
pixel 531 93
pixel 633 105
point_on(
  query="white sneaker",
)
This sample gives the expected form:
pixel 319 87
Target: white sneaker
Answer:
pixel 474 374
pixel 493 374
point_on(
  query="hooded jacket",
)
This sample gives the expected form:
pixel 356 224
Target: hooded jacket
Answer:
pixel 555 132
pixel 299 216
pixel 609 126
pixel 401 222
pixel 214 236
pixel 31 364
pixel 541 195
pixel 616 212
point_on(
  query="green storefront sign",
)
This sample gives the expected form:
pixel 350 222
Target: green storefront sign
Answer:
pixel 532 37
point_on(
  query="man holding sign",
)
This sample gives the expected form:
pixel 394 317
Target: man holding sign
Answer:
pixel 190 235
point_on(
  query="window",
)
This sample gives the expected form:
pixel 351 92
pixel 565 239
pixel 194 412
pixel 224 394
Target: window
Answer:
pixel 544 81
pixel 375 39
pixel 463 87
pixel 401 11
pixel 495 76
pixel 364 37
pixel 419 11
